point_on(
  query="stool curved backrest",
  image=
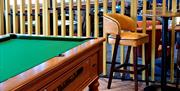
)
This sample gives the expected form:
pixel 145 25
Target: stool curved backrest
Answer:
pixel 114 23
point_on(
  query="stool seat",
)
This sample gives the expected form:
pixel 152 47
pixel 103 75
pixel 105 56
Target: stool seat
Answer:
pixel 130 39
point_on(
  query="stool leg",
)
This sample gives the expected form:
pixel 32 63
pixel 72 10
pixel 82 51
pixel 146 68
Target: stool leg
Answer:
pixel 147 67
pixel 113 61
pixel 126 60
pixel 135 68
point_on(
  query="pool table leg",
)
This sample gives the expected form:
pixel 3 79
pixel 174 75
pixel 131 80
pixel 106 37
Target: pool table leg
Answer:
pixel 94 85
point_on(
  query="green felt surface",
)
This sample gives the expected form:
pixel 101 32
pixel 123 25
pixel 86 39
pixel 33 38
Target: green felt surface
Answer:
pixel 19 55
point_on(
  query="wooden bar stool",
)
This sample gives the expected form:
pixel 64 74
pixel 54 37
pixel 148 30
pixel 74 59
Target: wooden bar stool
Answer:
pixel 113 26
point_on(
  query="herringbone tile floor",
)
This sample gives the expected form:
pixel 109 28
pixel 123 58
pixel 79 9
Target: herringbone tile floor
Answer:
pixel 118 85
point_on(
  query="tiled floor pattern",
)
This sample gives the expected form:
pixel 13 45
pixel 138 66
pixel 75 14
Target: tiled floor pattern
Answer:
pixel 118 85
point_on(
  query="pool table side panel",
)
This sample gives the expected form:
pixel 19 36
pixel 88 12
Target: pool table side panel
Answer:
pixel 95 70
pixel 95 65
pixel 100 60
pixel 49 82
pixel 70 80
pixel 42 75
pixel 89 74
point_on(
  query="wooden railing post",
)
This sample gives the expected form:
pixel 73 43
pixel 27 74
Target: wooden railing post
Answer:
pixel 121 46
pixel 144 31
pixel 29 17
pixel 174 6
pixel 22 19
pixel 7 16
pixel 15 18
pixel 105 9
pixel 63 18
pixel 47 6
pixel 79 31
pixel 2 17
pixel 44 16
pixel 88 21
pixel 37 18
pixel 71 18
pixel 96 18
pixel 55 18
pixel 153 42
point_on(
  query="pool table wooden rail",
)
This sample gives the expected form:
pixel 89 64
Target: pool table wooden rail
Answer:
pixel 77 69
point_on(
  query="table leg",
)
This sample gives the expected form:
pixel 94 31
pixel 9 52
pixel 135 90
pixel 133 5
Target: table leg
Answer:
pixel 164 52
pixel 94 85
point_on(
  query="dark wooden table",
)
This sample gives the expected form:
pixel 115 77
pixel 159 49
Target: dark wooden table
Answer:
pixel 163 86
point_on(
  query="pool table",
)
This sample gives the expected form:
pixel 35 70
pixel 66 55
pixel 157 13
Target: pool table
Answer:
pixel 48 63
